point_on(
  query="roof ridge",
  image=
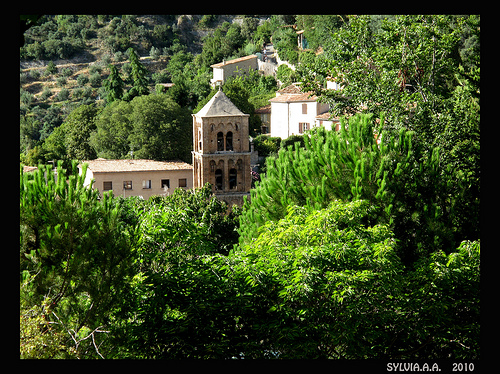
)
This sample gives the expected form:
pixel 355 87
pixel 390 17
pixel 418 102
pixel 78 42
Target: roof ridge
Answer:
pixel 220 105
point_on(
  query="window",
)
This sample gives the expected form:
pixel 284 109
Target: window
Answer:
pixel 218 179
pixel 146 184
pixel 165 183
pixel 106 186
pixel 183 182
pixel 220 141
pixel 199 140
pixel 304 108
pixel 127 185
pixel 229 141
pixel 303 126
pixel 233 178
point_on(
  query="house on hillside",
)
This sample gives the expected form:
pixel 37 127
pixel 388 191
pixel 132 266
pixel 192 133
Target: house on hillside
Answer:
pixel 138 177
pixel 293 112
pixel 225 69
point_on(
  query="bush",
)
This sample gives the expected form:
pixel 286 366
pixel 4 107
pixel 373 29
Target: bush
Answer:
pixel 46 93
pixel 51 68
pixel 266 145
pixel 82 79
pixel 154 53
pixel 66 72
pixel 27 98
pixel 95 80
pixel 286 75
pixel 118 56
pixel 61 81
pixel 63 94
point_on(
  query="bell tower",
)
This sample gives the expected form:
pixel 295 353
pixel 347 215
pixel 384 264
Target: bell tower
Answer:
pixel 221 154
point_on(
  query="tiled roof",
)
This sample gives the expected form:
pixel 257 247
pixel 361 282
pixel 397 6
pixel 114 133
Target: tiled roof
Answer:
pixel 291 89
pixel 327 116
pixel 235 61
pixel 219 105
pixel 103 165
pixel 287 98
pixel 27 169
pixel 263 109
pixel 292 93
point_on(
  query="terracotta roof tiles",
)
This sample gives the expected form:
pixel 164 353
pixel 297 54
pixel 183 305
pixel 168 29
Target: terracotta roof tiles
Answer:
pixel 103 165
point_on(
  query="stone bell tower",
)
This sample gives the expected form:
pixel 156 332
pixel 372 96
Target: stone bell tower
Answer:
pixel 221 154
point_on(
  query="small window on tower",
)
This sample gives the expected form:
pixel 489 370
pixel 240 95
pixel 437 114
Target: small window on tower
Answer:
pixel 229 141
pixel 220 141
pixel 233 179
pixel 218 179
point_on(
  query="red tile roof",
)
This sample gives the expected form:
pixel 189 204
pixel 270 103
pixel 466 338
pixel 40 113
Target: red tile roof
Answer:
pixel 287 98
pixel 235 61
pixel 104 165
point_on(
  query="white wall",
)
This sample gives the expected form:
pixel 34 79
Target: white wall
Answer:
pixel 296 115
pixel 285 117
pixel 218 74
pixel 279 120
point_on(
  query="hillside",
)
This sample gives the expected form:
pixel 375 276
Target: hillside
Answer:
pixel 147 31
pixel 65 62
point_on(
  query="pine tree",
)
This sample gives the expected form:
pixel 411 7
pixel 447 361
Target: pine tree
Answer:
pixel 139 77
pixel 74 248
pixel 360 162
pixel 114 85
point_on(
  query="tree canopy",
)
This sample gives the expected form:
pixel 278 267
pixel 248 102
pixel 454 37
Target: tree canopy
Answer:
pixel 362 243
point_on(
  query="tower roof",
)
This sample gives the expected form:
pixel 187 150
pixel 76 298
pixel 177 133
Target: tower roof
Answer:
pixel 219 105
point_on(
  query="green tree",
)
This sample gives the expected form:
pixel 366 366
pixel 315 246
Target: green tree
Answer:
pixel 176 235
pixel 314 271
pixel 113 84
pixel 152 126
pixel 409 194
pixel 75 252
pixel 286 75
pixel 161 129
pixel 314 284
pixel 138 75
pixel 417 71
pixel 113 127
pixel 79 125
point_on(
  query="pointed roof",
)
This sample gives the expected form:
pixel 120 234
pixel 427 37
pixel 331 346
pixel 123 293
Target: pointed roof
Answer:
pixel 218 106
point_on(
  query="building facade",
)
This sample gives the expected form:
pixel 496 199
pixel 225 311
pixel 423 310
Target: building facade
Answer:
pixel 293 112
pixel 221 150
pixel 138 177
pixel 225 69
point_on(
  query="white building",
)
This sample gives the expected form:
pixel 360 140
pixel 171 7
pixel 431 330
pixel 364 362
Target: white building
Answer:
pixel 293 112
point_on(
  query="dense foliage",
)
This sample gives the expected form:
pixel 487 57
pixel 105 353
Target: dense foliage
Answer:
pixel 165 280
pixel 351 165
pixel 361 243
pixel 75 257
